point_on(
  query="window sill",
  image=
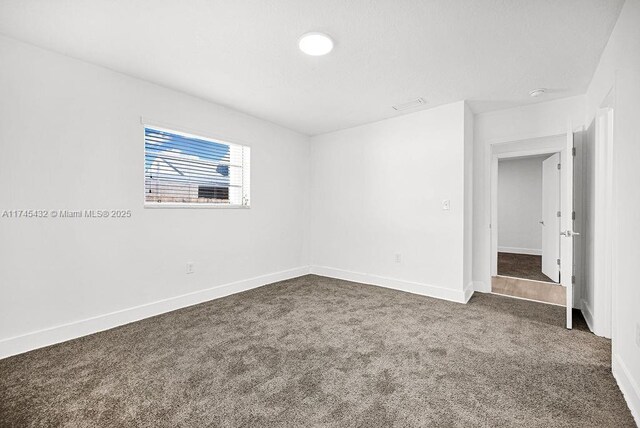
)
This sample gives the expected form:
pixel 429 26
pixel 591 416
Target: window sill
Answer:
pixel 189 206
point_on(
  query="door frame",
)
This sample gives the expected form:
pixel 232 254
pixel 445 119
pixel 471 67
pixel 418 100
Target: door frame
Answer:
pixel 505 153
pixel 601 314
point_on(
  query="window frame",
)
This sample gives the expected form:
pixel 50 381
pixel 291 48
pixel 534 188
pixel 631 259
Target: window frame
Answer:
pixel 189 134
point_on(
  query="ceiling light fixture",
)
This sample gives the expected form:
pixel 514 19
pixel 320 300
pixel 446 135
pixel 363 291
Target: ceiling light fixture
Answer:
pixel 410 104
pixel 537 92
pixel 315 44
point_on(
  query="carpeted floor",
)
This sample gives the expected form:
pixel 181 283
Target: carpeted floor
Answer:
pixel 521 266
pixel 315 351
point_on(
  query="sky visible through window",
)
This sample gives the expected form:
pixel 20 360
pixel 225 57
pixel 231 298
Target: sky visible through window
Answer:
pixel 158 142
pixel 177 165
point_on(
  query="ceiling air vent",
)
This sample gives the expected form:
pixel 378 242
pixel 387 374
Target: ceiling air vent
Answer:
pixel 410 104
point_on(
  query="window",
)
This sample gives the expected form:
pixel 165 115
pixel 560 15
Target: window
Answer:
pixel 186 170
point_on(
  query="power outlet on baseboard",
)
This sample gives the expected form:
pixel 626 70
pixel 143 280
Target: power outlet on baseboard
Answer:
pixel 190 268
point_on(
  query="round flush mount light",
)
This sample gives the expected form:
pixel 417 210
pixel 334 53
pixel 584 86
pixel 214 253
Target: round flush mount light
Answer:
pixel 315 44
pixel 537 92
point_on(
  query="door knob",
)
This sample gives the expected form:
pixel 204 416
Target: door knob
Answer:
pixel 569 233
pixel 541 222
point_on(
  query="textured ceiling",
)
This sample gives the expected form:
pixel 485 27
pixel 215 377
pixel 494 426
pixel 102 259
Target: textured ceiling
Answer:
pixel 243 53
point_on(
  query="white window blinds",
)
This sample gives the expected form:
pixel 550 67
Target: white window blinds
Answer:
pixel 184 169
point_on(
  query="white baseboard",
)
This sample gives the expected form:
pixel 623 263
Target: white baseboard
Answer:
pixel 459 296
pixel 628 386
pixel 593 325
pixel 38 339
pixel 516 250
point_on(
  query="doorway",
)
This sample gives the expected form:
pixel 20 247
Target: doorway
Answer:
pixel 568 145
pixel 564 145
pixel 528 228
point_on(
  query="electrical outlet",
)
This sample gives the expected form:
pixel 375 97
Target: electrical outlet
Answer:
pixel 398 258
pixel 446 205
pixel 190 268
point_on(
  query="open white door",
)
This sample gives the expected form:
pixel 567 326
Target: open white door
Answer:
pixel 550 220
pixel 567 234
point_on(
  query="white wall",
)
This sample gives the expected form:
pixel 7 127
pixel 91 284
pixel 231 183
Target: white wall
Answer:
pixel 619 69
pixel 378 191
pixel 520 205
pixel 626 236
pixel 621 53
pixel 71 138
pixel 530 124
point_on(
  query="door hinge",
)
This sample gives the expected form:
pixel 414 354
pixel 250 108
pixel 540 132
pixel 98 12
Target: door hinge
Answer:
pixel 559 166
pixel 573 151
pixel 573 215
pixel 558 214
pixel 573 279
pixel 558 262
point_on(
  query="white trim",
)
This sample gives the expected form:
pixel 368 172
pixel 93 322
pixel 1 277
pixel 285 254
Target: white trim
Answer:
pixel 458 296
pixel 628 386
pixel 493 203
pixel 493 147
pixel 49 336
pixel 604 214
pixel 516 250
pixel 493 186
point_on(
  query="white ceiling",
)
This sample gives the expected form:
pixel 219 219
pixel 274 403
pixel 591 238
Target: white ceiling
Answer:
pixel 243 53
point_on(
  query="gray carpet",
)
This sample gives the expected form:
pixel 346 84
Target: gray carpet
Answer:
pixel 315 351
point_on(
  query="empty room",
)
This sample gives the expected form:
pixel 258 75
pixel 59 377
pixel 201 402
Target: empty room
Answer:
pixel 366 213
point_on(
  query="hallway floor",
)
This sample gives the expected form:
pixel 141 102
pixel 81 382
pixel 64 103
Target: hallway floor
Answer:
pixel 522 266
